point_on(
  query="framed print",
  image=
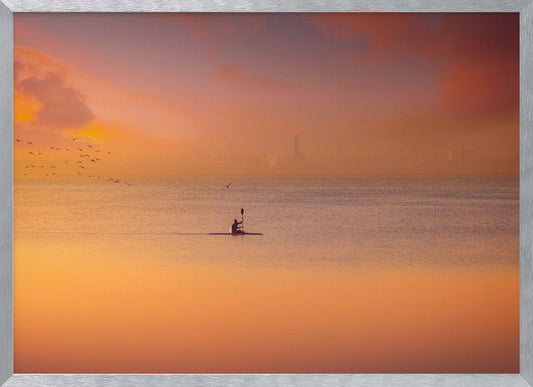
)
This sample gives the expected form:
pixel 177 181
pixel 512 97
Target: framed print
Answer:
pixel 266 194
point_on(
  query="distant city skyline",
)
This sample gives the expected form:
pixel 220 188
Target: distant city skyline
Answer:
pixel 249 94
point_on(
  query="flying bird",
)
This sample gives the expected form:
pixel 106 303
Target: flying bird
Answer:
pixel 75 138
pixel 29 143
pixel 228 185
pixel 31 153
pixel 18 140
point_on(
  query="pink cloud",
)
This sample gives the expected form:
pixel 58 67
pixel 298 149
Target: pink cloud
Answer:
pixel 62 107
pixel 479 53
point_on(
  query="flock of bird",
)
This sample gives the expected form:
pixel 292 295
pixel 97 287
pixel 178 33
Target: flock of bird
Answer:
pixel 88 155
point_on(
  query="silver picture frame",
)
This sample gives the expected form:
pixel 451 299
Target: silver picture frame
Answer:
pixel 523 7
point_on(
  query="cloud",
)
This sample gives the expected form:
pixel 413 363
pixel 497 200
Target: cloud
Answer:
pixel 43 99
pixel 61 106
pixel 478 53
pixel 235 74
pixel 461 37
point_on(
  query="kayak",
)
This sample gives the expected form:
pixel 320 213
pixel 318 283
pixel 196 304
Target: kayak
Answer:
pixel 236 234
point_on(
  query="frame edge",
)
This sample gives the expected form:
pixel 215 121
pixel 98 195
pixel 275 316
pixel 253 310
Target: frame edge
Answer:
pixel 6 193
pixel 266 6
pixel 526 177
pixel 526 193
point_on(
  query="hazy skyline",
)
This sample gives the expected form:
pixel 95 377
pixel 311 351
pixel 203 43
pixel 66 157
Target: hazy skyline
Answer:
pixel 226 94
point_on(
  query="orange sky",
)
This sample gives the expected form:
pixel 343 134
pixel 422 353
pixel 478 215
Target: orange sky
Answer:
pixel 226 94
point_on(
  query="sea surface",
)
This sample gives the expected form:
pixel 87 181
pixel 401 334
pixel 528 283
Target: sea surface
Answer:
pixel 350 275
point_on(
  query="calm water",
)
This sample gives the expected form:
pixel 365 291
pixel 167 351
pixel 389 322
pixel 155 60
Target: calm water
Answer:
pixel 459 222
pixel 350 276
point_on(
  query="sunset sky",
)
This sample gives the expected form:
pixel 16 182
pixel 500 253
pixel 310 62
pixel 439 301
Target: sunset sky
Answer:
pixel 226 94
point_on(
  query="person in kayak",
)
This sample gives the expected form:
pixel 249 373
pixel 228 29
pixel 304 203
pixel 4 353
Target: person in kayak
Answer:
pixel 236 227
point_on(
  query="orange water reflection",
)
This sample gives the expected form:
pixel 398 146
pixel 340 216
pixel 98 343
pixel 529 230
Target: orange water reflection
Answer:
pixel 81 314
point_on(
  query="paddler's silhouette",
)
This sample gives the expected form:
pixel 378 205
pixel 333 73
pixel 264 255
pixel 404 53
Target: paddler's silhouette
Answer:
pixel 236 227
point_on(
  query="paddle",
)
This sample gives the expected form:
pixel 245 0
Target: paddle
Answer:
pixel 242 218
